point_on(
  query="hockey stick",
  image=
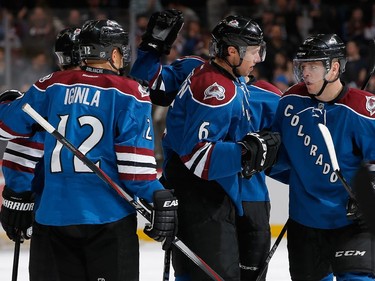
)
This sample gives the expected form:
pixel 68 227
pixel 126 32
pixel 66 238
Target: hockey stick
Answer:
pixel 16 256
pixel 332 154
pixel 139 206
pixel 263 269
pixel 167 264
pixel 371 72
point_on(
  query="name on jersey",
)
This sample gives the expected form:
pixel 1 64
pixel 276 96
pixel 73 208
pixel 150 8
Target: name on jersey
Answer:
pixel 314 149
pixel 82 95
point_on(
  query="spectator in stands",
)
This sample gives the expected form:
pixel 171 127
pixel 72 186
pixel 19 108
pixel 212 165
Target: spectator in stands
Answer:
pixel 356 66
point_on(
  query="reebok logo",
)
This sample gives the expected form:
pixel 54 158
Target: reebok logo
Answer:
pixel 170 203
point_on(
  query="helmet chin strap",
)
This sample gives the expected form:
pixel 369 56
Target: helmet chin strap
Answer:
pixel 119 70
pixel 324 86
pixel 234 67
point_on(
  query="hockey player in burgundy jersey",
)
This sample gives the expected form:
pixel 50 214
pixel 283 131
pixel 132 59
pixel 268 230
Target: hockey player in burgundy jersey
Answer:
pixel 165 81
pixel 108 118
pixel 325 231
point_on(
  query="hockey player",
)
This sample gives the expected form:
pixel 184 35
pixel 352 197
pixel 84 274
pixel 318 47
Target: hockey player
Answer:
pixel 23 165
pixel 325 230
pixel 91 229
pixel 253 227
pixel 215 122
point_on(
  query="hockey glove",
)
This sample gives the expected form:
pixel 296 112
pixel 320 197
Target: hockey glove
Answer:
pixel 162 30
pixel 163 226
pixel 17 214
pixel 10 95
pixel 259 151
pixel 354 214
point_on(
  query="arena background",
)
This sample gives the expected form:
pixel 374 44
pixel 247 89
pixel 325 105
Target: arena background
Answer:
pixel 28 29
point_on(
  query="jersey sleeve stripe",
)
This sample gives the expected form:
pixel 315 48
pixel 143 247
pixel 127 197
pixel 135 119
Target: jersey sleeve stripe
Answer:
pixel 135 150
pixel 18 167
pixel 137 177
pixel 29 149
pixel 23 158
pixel 7 134
pixel 198 161
pixel 136 163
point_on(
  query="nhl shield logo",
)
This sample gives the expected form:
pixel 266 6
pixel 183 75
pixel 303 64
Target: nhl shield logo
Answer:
pixel 370 104
pixel 214 91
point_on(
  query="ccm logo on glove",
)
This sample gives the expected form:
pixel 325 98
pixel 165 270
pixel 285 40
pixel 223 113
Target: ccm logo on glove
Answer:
pixel 18 206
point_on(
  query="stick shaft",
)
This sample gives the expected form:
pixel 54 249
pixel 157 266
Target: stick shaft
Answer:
pixel 16 256
pixel 263 269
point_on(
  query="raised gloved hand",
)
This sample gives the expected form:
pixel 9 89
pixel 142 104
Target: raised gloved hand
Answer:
pixel 162 30
pixel 163 225
pixel 10 95
pixel 354 214
pixel 259 151
pixel 16 213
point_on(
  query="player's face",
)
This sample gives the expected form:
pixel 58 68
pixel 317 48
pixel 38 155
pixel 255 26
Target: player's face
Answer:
pixel 250 59
pixel 312 73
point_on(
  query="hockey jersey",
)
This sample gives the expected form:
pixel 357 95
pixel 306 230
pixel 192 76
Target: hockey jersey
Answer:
pixel 108 118
pixel 262 97
pixel 317 198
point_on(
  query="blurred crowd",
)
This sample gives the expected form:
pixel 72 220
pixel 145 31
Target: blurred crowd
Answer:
pixel 30 27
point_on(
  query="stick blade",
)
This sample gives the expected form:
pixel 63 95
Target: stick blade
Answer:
pixel 330 146
pixel 365 194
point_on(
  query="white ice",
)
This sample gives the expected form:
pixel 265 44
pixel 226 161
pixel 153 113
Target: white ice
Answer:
pixel 152 258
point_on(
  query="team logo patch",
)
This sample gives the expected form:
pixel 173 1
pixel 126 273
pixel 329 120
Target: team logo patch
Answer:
pixel 370 104
pixel 214 91
pixel 143 90
pixel 41 80
pixel 233 23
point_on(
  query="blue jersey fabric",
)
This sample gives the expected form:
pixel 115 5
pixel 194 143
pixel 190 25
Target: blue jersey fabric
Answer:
pixel 317 198
pixel 108 118
pixel 262 100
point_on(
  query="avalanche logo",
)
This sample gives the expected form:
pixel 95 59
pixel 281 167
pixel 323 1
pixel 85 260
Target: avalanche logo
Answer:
pixel 233 23
pixel 214 91
pixel 143 90
pixel 370 104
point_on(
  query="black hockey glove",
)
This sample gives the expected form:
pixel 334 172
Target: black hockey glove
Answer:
pixel 354 214
pixel 163 226
pixel 17 214
pixel 10 95
pixel 259 151
pixel 162 30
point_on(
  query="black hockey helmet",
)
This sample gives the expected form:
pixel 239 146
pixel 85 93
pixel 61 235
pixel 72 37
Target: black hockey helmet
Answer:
pixel 321 47
pixel 66 47
pixel 10 95
pixel 238 32
pixel 99 37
